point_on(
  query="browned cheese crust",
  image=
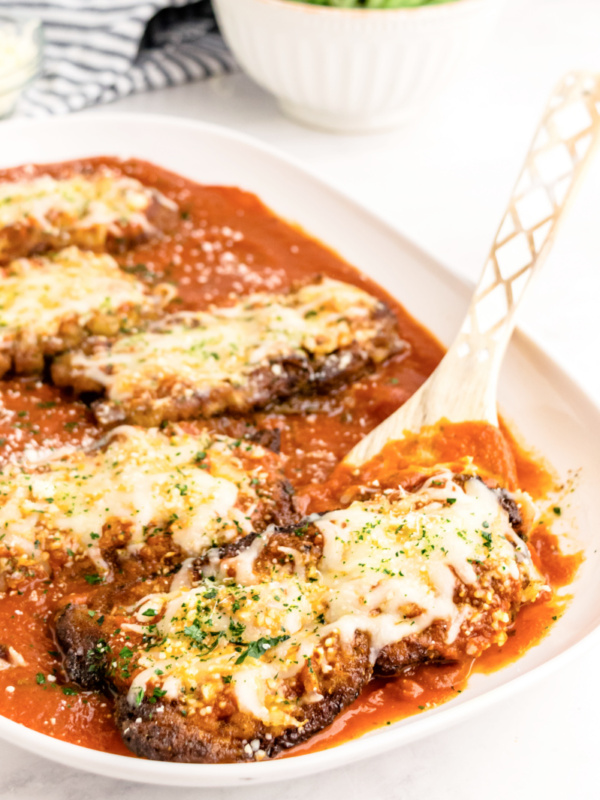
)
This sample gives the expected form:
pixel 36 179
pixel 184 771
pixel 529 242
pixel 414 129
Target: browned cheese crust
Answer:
pixel 51 305
pixel 147 385
pixel 144 497
pixel 231 736
pixel 42 221
pixel 166 730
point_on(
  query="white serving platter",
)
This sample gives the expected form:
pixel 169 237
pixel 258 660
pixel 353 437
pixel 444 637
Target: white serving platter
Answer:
pixel 554 416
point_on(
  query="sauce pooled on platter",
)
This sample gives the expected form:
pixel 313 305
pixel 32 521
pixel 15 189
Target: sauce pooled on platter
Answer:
pixel 226 244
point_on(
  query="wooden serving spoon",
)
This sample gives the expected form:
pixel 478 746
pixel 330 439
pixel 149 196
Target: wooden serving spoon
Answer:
pixel 464 385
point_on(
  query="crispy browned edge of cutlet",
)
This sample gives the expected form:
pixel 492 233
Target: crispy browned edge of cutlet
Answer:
pixel 27 239
pixel 169 736
pixel 295 374
pixel 27 354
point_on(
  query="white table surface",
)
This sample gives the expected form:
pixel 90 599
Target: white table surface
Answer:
pixel 444 183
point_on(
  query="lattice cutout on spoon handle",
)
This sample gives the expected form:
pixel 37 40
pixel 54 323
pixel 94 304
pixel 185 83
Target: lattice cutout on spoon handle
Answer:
pixel 463 387
pixel 566 134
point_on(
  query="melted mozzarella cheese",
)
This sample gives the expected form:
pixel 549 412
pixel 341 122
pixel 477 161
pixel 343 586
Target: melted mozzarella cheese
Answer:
pixel 141 480
pixel 202 632
pixel 392 567
pixel 389 568
pixel 204 349
pixel 83 201
pixel 37 295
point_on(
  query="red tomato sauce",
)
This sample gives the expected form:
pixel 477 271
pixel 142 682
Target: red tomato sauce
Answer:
pixel 228 243
pixel 499 457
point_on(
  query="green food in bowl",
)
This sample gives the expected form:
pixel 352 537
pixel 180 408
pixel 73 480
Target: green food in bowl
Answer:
pixel 375 3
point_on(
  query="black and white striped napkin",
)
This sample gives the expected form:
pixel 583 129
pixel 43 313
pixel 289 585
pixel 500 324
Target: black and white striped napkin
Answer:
pixel 98 51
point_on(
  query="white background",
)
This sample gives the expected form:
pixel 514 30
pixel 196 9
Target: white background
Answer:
pixel 443 182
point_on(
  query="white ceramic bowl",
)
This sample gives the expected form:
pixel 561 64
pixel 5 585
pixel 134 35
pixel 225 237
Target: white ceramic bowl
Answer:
pixel 554 415
pixel 353 70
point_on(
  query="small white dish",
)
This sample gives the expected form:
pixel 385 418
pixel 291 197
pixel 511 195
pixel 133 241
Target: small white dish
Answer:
pixel 554 415
pixel 354 70
pixel 21 44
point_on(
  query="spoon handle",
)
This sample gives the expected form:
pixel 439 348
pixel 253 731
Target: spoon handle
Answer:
pixel 464 386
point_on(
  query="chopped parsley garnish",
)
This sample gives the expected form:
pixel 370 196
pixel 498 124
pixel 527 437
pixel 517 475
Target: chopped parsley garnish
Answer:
pixel 487 539
pixel 157 694
pixel 257 648
pixel 195 632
